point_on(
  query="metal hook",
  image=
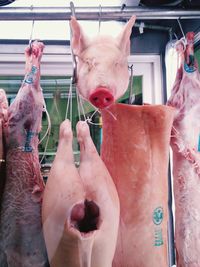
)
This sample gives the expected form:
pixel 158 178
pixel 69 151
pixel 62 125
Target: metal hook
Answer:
pixel 131 94
pixel 100 15
pixel 32 27
pixel 56 82
pixel 179 23
pixel 72 9
pixel 74 63
pixel 122 7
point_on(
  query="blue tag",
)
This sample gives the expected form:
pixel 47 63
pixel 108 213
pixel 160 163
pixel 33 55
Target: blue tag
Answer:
pixel 199 144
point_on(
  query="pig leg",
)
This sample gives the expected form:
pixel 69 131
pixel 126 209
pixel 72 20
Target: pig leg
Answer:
pixel 54 218
pixel 102 199
pixel 63 209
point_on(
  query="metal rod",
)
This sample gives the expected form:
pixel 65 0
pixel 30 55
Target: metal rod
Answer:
pixel 74 63
pixel 153 27
pixel 92 13
pixel 179 23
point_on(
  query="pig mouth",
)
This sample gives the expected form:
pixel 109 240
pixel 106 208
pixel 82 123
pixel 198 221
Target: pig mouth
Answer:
pixel 85 217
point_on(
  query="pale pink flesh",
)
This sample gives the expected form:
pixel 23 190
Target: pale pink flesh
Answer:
pixel 21 238
pixel 81 228
pixel 185 97
pixel 135 150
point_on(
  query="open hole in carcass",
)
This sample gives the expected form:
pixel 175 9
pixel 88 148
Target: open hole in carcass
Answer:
pixel 85 216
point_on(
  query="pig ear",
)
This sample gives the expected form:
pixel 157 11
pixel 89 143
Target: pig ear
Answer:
pixel 124 37
pixel 79 40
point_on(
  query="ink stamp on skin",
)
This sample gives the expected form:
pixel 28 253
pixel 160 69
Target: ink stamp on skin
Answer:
pixel 30 77
pixel 158 215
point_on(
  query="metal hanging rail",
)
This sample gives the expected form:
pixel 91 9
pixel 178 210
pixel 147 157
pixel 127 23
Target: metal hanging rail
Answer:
pixel 92 13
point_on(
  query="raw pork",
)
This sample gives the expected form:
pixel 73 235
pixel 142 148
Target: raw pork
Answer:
pixel 3 118
pixel 21 238
pixel 102 70
pixel 186 158
pixel 135 150
pixel 80 207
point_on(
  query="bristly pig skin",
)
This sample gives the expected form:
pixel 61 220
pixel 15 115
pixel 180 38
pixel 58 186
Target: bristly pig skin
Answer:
pixel 21 237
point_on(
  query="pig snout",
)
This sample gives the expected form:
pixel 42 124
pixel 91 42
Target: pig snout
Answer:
pixel 101 98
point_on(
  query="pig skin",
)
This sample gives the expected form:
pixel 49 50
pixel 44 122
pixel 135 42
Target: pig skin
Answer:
pixel 21 239
pixel 135 150
pixel 67 191
pixel 3 119
pixel 184 98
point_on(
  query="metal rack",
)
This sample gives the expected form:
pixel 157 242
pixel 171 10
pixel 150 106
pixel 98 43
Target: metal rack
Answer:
pixel 92 13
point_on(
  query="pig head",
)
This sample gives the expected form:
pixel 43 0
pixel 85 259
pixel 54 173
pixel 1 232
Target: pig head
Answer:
pixel 102 67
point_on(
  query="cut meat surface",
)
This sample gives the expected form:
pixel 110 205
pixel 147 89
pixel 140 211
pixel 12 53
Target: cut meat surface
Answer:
pixel 81 206
pixel 85 216
pixel 186 159
pixel 21 238
pixel 3 119
pixel 135 150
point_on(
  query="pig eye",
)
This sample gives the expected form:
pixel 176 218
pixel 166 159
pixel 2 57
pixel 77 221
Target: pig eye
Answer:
pixel 88 62
pixel 91 63
pixel 116 64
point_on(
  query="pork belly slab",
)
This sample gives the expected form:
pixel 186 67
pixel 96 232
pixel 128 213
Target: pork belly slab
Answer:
pixel 135 150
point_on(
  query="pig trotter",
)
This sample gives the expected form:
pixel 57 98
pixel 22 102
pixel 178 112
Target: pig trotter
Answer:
pixel 85 217
pixel 84 139
pixel 66 131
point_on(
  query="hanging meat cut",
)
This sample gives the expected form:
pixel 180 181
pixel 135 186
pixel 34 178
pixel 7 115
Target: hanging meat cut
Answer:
pixel 102 71
pixel 80 206
pixel 185 144
pixel 135 150
pixel 3 119
pixel 21 238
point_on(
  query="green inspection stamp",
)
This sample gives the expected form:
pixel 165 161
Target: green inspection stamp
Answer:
pixel 158 238
pixel 158 215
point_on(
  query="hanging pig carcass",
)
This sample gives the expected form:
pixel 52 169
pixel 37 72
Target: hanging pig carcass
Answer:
pixel 3 119
pixel 81 229
pixel 185 144
pixel 21 238
pixel 135 150
pixel 102 71
pixel 81 207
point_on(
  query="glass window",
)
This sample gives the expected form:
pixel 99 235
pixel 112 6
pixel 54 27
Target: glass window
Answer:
pixel 55 90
